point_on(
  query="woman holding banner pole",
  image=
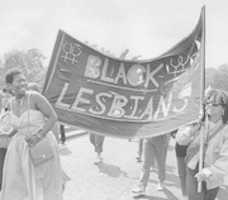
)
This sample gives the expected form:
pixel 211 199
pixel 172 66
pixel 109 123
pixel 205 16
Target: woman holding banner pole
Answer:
pixel 215 150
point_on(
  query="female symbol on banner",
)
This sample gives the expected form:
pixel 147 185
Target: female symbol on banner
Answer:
pixel 135 75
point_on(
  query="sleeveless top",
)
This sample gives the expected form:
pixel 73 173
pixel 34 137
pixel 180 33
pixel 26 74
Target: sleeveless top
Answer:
pixel 30 121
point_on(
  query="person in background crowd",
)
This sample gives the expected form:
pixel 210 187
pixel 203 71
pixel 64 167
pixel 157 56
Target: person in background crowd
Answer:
pixel 183 137
pixel 62 134
pixel 97 141
pixel 140 150
pixel 59 132
pixel 33 118
pixel 4 129
pixel 140 153
pixel 157 147
pixel 215 150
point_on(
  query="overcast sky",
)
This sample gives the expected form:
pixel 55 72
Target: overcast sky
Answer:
pixel 146 27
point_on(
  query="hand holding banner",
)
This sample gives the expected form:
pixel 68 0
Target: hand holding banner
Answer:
pixel 125 98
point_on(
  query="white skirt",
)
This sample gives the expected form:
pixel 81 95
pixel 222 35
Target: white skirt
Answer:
pixel 23 181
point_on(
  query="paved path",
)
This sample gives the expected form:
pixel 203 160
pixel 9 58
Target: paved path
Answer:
pixel 114 179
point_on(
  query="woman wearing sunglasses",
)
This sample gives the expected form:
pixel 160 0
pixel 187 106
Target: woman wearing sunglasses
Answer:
pixel 215 150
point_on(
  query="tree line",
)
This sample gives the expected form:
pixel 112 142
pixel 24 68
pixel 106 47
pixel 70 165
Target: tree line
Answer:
pixel 31 62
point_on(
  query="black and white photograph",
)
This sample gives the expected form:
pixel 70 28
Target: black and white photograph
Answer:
pixel 113 100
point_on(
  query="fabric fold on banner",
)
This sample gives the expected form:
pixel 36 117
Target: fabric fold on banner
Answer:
pixel 125 98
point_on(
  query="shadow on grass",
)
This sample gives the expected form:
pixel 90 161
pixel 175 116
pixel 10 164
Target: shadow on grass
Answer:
pixel 171 180
pixel 111 170
pixel 168 193
pixel 147 197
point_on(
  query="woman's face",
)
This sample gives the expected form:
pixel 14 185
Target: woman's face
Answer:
pixel 19 85
pixel 215 111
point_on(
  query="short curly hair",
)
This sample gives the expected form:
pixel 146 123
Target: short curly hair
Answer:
pixel 10 75
pixel 217 96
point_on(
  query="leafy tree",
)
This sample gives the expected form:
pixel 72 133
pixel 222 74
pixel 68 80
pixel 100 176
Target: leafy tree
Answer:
pixel 30 62
pixel 218 78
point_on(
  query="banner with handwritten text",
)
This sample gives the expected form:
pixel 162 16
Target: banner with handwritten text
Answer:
pixel 125 98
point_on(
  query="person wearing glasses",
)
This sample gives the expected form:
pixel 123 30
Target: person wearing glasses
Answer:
pixel 215 166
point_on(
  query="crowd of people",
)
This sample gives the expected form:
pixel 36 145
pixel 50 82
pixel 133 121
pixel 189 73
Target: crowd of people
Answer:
pixel 29 159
